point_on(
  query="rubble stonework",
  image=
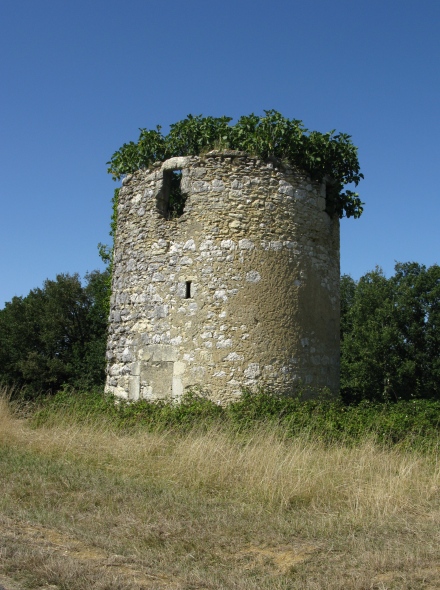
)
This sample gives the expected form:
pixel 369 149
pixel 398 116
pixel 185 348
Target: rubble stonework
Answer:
pixel 242 290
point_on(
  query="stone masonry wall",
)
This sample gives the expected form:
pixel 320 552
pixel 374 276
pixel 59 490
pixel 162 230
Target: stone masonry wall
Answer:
pixel 242 290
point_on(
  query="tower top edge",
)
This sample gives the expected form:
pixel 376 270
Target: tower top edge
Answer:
pixel 185 162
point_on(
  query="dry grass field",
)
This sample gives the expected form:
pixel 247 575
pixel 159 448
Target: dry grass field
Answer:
pixel 82 508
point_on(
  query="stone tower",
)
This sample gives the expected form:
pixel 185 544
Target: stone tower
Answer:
pixel 239 290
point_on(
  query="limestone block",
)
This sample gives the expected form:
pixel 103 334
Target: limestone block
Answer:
pixel 176 163
pixel 253 276
pixel 163 352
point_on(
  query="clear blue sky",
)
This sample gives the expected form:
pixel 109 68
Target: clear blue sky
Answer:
pixel 78 78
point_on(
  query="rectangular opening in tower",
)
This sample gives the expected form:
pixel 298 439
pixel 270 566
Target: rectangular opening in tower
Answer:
pixel 188 290
pixel 173 197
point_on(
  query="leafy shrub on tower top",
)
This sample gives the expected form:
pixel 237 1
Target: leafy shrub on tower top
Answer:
pixel 329 157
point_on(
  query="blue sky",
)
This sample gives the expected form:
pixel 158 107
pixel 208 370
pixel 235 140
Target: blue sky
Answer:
pixel 79 78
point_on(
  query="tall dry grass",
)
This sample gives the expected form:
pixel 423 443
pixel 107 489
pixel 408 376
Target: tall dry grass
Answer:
pixel 225 510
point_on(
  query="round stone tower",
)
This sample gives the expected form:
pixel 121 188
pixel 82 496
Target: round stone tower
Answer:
pixel 238 287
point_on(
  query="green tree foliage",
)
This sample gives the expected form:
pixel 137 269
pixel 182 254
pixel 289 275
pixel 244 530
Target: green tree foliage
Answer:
pixel 327 157
pixel 390 337
pixel 56 335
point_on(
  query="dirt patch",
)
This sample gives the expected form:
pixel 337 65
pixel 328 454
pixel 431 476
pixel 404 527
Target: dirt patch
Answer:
pixel 281 559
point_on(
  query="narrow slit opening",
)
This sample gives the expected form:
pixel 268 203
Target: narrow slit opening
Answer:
pixel 188 290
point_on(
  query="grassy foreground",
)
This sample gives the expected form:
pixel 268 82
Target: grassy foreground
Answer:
pixel 93 498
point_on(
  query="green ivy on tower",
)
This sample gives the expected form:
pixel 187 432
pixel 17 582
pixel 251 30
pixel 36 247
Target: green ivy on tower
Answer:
pixel 329 157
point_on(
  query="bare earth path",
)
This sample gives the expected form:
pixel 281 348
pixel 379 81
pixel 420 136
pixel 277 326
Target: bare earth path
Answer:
pixel 53 546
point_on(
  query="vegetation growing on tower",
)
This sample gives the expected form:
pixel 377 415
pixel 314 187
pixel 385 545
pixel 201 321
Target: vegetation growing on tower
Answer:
pixel 329 157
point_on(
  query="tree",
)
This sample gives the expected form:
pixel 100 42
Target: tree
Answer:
pixel 390 343
pixel 56 335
